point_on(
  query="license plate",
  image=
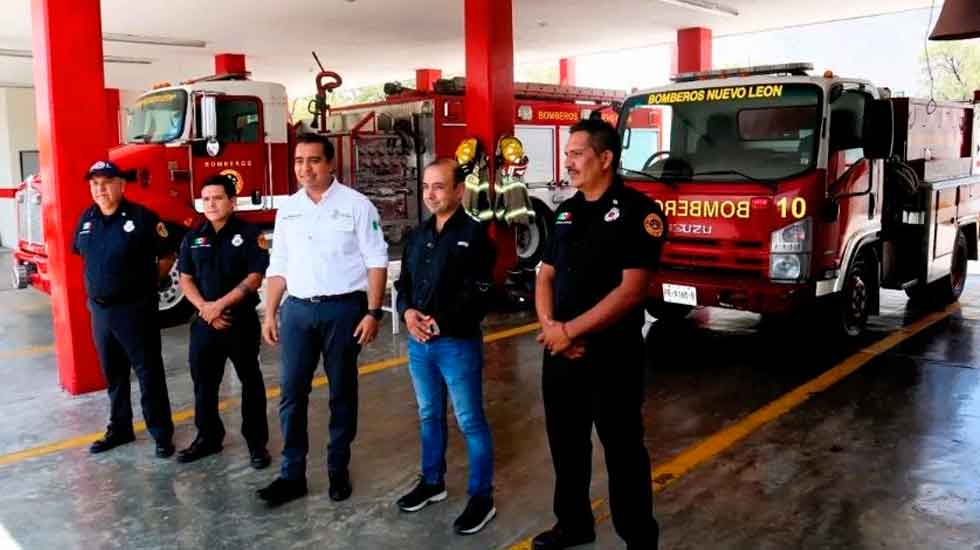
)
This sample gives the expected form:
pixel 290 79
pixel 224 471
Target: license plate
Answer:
pixel 680 294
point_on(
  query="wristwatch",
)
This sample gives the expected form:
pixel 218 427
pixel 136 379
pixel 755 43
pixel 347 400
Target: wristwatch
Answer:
pixel 376 313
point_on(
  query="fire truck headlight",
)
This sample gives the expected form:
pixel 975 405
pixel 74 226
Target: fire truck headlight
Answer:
pixel 788 267
pixel 797 237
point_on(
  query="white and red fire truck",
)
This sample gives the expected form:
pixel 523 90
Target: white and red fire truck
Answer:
pixel 784 190
pixel 177 136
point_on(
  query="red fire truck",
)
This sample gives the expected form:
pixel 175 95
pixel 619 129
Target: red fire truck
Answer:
pixel 177 136
pixel 784 191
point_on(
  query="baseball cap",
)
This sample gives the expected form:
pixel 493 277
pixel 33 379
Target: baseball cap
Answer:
pixel 105 168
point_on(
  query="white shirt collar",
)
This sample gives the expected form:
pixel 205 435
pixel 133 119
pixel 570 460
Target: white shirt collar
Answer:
pixel 330 190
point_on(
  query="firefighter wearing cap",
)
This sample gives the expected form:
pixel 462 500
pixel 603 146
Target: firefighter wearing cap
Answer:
pixel 590 289
pixel 120 243
pixel 221 265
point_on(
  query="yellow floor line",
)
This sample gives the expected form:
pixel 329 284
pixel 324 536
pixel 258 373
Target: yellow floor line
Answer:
pixel 187 414
pixel 668 472
pixel 20 353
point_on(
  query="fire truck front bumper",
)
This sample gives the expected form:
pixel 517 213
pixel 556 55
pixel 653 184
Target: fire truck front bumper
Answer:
pixel 30 269
pixel 748 291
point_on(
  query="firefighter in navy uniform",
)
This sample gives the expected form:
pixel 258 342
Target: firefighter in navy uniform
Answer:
pixel 120 243
pixel 221 268
pixel 593 281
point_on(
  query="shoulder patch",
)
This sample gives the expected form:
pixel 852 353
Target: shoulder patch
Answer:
pixel 654 225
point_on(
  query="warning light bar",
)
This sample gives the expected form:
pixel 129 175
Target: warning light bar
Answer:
pixel 794 69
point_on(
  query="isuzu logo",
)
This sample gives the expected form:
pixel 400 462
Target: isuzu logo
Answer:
pixel 690 228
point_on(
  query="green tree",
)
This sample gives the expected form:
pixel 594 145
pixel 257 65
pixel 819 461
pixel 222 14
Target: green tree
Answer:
pixel 955 69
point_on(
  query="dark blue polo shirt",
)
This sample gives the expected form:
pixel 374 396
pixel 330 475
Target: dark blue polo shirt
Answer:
pixel 120 252
pixel 218 262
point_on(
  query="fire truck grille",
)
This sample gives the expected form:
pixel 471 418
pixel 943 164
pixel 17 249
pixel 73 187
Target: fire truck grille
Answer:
pixel 741 256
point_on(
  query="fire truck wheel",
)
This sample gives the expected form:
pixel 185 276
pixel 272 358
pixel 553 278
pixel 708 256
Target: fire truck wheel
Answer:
pixel 949 288
pixel 174 308
pixel 854 301
pixel 665 312
pixel 530 240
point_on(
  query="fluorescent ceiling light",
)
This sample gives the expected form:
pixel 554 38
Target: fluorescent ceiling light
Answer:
pixel 152 40
pixel 707 6
pixel 27 54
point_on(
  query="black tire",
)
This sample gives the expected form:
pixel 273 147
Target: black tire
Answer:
pixel 949 288
pixel 666 312
pixel 853 304
pixel 174 308
pixel 530 241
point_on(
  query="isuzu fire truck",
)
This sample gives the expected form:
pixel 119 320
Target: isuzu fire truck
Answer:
pixel 178 136
pixel 784 191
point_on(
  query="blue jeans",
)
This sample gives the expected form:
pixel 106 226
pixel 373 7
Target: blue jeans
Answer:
pixel 457 365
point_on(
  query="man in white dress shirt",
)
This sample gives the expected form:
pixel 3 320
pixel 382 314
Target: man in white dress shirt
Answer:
pixel 329 254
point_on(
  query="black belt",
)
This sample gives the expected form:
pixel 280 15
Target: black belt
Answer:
pixel 330 297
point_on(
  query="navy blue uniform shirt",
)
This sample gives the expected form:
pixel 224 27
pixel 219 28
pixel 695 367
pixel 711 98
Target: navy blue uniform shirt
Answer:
pixel 120 252
pixel 592 243
pixel 448 274
pixel 218 262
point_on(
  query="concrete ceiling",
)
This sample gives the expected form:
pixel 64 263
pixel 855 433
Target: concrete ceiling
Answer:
pixel 372 41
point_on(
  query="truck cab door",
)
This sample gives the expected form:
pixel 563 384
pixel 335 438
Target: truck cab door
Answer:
pixel 853 178
pixel 241 152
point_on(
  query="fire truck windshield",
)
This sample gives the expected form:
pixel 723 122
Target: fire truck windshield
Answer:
pixel 752 132
pixel 157 117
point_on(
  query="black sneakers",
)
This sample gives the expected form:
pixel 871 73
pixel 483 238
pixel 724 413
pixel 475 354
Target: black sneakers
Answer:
pixel 478 513
pixel 282 491
pixel 165 449
pixel 422 495
pixel 112 439
pixel 199 449
pixel 557 538
pixel 260 459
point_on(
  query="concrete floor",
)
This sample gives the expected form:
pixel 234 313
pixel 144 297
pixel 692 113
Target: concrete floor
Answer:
pixel 887 458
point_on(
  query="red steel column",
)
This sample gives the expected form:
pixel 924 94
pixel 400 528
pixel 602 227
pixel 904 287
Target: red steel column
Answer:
pixel 70 101
pixel 112 118
pixel 566 71
pixel 490 95
pixel 693 50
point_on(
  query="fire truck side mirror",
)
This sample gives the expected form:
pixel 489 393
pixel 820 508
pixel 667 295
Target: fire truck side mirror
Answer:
pixel 209 117
pixel 879 129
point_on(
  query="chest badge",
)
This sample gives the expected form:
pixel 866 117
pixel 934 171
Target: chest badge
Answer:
pixel 237 240
pixel 564 217
pixel 129 226
pixel 613 214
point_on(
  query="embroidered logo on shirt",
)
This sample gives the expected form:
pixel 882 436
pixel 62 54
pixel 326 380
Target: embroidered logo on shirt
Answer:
pixel 129 226
pixel 199 242
pixel 463 243
pixel 237 240
pixel 654 225
pixel 375 225
pixel 564 217
pixel 86 228
pixel 613 214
